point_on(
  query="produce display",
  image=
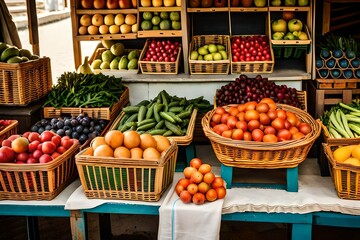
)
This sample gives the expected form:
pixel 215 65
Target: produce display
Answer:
pixel 107 23
pixel 82 127
pixel 250 48
pixel 338 57
pixel 349 154
pixel 4 124
pixel 343 120
pixel 164 115
pixel 260 122
pixel 200 184
pixel 84 90
pixel 293 29
pixel 11 54
pixel 160 3
pixel 128 144
pixel 32 147
pixel 300 3
pixel 245 89
pixel 207 3
pixel 108 4
pixel 209 52
pixel 161 50
pixel 160 21
pixel 116 57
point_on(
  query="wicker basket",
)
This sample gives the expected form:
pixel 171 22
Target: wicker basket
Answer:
pixel 209 67
pixel 148 67
pixel 346 177
pixel 9 130
pixel 180 140
pixel 251 154
pixel 125 178
pixel 337 141
pixel 23 83
pixel 254 66
pixel 107 113
pixel 38 181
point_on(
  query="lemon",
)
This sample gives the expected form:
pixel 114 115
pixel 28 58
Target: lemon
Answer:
pixel 342 153
pixel 352 161
pixel 356 152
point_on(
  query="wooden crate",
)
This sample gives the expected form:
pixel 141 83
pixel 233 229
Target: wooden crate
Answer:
pixel 148 67
pixel 336 83
pixel 23 83
pixel 323 99
pixel 38 181
pixel 254 66
pixel 209 67
pixel 107 113
pixel 126 178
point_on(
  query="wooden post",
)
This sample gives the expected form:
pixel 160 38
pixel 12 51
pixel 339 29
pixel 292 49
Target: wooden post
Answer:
pixel 33 26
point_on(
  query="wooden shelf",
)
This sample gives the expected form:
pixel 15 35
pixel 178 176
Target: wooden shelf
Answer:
pixel 159 9
pixel 106 37
pixel 159 33
pixel 249 9
pixel 106 11
pixel 294 8
pixel 212 9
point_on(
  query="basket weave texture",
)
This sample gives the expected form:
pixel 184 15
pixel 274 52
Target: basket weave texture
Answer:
pixel 346 177
pixel 9 130
pixel 337 141
pixel 23 83
pixel 107 113
pixel 251 154
pixel 125 178
pixel 38 181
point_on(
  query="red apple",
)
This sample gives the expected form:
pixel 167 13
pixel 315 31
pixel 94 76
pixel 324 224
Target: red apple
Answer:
pixel 7 154
pixel 56 139
pixel 45 158
pixel 37 154
pixel 32 160
pixel 46 136
pixel 13 137
pixel 19 162
pixel 23 157
pixel 33 146
pixel 55 155
pixel 34 136
pixel 6 142
pixel 48 147
pixel 26 134
pixel 39 147
pixel 67 143
pixel 61 149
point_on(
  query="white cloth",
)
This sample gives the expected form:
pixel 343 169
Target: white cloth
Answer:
pixel 180 221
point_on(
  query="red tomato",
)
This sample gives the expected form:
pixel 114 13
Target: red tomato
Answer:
pixel 227 133
pixel 262 107
pixel 278 124
pixel 241 125
pixel 264 119
pixel 287 124
pixel 220 110
pixel 237 134
pixel 233 111
pixel 220 128
pixel 253 124
pixel 247 136
pixel 292 118
pixel 298 135
pixel 293 130
pixel 225 117
pixel 257 135
pixel 270 138
pixel 269 130
pixel 241 116
pixel 216 118
pixel 272 114
pixel 251 114
pixel 304 128
pixel 284 134
pixel 231 122
pixel 281 113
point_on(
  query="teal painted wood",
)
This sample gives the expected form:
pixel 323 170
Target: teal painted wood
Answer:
pixel 336 219
pixel 78 225
pixel 34 210
pixel 301 231
pixel 269 217
pixel 116 208
pixel 190 153
pixel 292 175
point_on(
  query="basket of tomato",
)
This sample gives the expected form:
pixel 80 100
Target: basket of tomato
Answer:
pixel 260 135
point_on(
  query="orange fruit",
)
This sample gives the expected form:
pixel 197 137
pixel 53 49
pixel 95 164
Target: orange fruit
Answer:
pixel 204 168
pixel 196 177
pixel 198 198
pixel 136 152
pixel 104 151
pixel 221 192
pixel 211 195
pixel 355 152
pixel 147 141
pixel 97 141
pixel 192 188
pixel 185 196
pixel 131 139
pixel 114 138
pixel 122 152
pixel 209 177
pixel 20 144
pixel 188 171
pixel 89 151
pixel 151 153
pixel 195 163
pixel 203 187
pixel 163 143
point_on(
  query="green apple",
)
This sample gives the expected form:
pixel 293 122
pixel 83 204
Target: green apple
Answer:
pixel 278 35
pixel 279 26
pixel 212 48
pixel 260 3
pixel 276 3
pixel 289 36
pixel 208 57
pixel 206 46
pixel 303 3
pixel 217 56
pixel 223 54
pixel 203 51
pixel 220 47
pixel 200 58
pixel 301 35
pixel 295 25
pixel 194 55
pixel 290 2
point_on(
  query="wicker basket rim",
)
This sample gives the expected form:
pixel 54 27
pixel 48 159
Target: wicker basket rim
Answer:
pixel 336 164
pixel 13 124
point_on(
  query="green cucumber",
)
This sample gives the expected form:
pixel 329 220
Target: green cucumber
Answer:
pixel 167 117
pixel 131 109
pixel 142 113
pixel 174 128
pixel 156 131
pixel 145 121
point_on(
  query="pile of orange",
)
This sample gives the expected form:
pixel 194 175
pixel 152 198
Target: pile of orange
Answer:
pixel 200 184
pixel 129 144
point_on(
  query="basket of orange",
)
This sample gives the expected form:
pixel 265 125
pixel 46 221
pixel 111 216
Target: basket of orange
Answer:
pixel 127 166
pixel 260 135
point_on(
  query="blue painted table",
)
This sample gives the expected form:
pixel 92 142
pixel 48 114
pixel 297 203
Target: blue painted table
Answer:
pixel 33 209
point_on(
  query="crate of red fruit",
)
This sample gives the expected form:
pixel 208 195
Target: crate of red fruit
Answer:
pixel 36 166
pixel 251 54
pixel 260 135
pixel 8 128
pixel 245 89
pixel 160 57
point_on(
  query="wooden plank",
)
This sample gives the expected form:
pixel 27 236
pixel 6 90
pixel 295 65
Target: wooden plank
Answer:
pixel 33 26
pixel 214 9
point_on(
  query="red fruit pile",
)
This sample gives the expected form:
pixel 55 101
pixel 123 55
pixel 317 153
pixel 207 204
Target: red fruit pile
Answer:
pixel 250 48
pixel 162 51
pixel 4 124
pixel 32 147
pixel 200 184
